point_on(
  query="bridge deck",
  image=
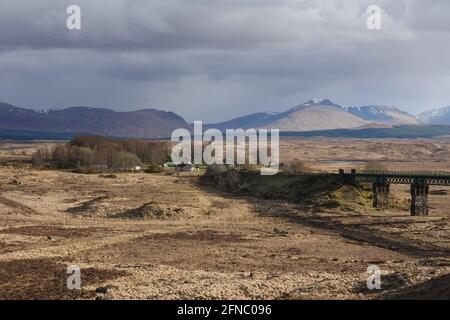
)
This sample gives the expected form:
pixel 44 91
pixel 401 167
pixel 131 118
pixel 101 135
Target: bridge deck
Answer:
pixel 441 178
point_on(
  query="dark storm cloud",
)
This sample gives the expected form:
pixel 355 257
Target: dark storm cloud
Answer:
pixel 211 59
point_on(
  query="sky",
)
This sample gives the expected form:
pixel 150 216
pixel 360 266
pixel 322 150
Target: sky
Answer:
pixel 214 60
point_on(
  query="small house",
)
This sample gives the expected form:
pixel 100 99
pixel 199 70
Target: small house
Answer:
pixel 186 167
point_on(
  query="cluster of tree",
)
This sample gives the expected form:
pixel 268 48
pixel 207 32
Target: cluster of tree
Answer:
pixel 98 154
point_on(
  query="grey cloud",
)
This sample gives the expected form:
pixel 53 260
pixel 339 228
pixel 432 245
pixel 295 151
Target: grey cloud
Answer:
pixel 213 59
pixel 181 24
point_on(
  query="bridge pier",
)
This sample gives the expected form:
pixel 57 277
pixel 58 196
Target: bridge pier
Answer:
pixel 419 199
pixel 420 182
pixel 380 195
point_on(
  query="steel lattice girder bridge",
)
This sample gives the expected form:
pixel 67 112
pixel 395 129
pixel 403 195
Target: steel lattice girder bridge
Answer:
pixel 436 178
pixel 420 182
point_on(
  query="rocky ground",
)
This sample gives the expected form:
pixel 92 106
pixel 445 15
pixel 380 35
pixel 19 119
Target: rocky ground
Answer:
pixel 156 236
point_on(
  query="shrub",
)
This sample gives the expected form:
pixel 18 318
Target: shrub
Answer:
pixel 41 156
pixel 215 169
pixel 154 169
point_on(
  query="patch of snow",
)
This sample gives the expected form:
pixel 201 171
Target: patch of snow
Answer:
pixel 318 100
pixel 434 114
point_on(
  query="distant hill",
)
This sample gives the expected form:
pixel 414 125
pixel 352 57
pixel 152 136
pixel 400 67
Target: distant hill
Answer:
pixel 316 114
pixel 314 117
pixel 399 132
pixel 383 114
pixel 255 120
pixel 146 123
pixel 435 116
pixel 323 114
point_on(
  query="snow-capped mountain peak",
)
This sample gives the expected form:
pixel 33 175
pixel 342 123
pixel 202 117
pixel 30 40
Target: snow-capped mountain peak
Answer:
pixel 435 116
pixel 319 101
pixel 382 114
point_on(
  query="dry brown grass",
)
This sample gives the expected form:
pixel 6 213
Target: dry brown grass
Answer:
pixel 219 245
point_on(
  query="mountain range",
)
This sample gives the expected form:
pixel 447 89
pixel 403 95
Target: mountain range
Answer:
pixel 383 115
pixel 323 114
pixel 435 116
pixel 146 123
pixel 313 115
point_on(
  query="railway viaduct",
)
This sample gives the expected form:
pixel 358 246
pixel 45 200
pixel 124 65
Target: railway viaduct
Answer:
pixel 420 183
